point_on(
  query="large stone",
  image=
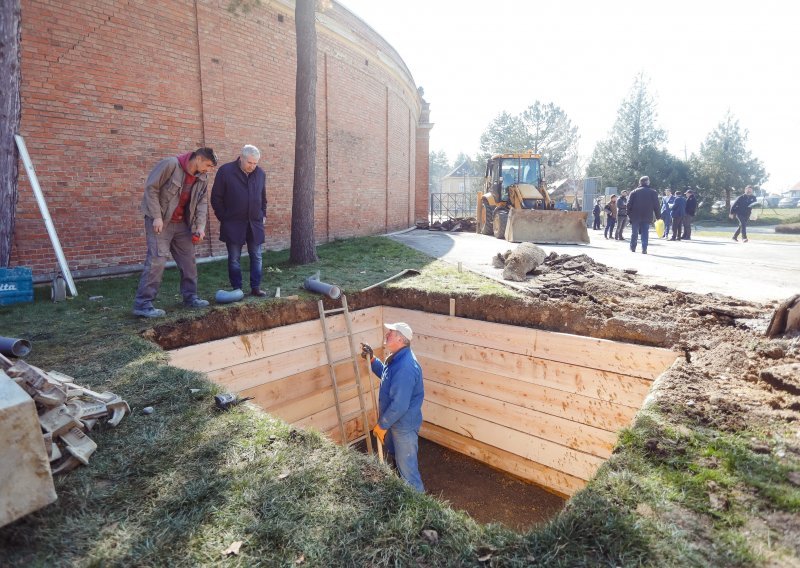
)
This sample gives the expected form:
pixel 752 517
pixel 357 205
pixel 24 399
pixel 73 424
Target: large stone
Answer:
pixel 26 483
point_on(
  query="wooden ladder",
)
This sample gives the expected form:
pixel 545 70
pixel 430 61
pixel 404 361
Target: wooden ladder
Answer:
pixel 338 391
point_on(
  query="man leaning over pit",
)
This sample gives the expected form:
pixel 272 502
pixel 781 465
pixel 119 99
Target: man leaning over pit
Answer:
pixel 400 400
pixel 239 200
pixel 175 214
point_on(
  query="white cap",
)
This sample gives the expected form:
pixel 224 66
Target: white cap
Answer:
pixel 402 328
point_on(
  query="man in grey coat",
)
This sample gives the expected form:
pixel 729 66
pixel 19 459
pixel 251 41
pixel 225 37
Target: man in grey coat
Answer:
pixel 175 214
pixel 642 205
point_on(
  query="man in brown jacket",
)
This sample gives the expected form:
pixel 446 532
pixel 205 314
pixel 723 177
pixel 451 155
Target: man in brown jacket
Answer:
pixel 175 213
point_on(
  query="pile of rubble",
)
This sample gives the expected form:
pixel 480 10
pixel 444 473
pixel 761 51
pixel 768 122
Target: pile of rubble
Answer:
pixel 66 412
pixel 453 224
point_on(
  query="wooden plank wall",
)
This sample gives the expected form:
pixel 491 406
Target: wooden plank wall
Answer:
pixel 543 406
pixel 285 369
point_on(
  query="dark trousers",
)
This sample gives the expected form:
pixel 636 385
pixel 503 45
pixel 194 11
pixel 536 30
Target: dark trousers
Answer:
pixel 235 267
pixel 640 229
pixel 742 227
pixel 610 222
pixel 621 222
pixel 677 228
pixel 687 227
pixel 596 226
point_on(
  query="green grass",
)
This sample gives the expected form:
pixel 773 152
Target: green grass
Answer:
pixel 177 487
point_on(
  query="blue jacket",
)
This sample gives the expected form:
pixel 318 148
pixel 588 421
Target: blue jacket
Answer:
pixel 401 391
pixel 679 207
pixel 240 200
pixel 741 207
pixel 666 203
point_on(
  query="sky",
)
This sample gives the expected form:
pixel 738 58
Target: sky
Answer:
pixel 703 58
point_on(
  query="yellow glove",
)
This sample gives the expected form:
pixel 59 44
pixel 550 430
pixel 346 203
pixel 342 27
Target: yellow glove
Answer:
pixel 380 433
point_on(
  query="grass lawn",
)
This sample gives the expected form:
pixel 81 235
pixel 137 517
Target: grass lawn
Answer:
pixel 177 487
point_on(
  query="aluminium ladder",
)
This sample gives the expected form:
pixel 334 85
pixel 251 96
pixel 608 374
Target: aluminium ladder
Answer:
pixel 340 392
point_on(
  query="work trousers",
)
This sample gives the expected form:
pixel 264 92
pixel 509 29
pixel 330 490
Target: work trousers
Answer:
pixel 687 227
pixel 404 445
pixel 742 226
pixel 622 221
pixel 174 239
pixel 235 267
pixel 596 226
pixel 677 228
pixel 640 228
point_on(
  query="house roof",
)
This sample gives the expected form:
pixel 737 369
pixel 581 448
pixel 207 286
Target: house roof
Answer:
pixel 465 168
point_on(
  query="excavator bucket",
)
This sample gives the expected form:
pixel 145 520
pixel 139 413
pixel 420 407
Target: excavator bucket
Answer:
pixel 547 226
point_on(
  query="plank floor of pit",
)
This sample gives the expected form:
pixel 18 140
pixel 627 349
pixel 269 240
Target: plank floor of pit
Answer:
pixel 486 494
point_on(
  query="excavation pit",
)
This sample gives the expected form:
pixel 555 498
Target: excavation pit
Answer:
pixel 541 406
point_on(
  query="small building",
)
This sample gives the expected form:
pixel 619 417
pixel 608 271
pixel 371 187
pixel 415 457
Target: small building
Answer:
pixel 463 179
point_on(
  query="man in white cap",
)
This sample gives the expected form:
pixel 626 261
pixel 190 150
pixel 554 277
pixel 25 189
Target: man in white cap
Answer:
pixel 400 400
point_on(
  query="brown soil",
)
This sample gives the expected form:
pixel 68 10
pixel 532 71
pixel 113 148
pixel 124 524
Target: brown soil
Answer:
pixel 486 494
pixel 731 377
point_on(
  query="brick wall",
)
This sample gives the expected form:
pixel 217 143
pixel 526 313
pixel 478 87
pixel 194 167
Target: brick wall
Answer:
pixel 109 87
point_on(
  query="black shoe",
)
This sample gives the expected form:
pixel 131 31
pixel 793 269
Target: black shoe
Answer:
pixel 644 252
pixel 735 239
pixel 258 293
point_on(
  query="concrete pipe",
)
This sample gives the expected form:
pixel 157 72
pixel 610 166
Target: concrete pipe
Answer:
pixel 333 292
pixel 14 347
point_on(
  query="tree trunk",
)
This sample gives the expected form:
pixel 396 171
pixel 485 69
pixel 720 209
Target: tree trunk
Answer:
pixel 9 121
pixel 303 247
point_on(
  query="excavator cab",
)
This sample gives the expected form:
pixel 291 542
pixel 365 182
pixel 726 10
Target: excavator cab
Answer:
pixel 515 205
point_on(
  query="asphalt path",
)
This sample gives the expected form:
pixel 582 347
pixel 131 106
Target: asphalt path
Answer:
pixel 759 271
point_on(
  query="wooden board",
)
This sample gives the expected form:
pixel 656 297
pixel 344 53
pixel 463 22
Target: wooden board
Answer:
pixel 603 385
pixel 550 479
pixel 587 410
pixel 267 369
pixel 564 432
pixel 625 358
pixel 545 452
pixel 240 349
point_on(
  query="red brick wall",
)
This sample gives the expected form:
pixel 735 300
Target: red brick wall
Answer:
pixel 110 87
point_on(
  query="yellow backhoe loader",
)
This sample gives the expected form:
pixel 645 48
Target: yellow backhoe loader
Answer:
pixel 514 204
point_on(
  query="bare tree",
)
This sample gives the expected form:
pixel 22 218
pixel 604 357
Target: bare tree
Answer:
pixel 9 121
pixel 303 246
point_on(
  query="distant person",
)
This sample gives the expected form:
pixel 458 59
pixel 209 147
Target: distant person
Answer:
pixel 175 213
pixel 691 211
pixel 239 200
pixel 400 400
pixel 596 213
pixel 678 213
pixel 622 215
pixel 666 211
pixel 741 210
pixel 611 217
pixel 642 205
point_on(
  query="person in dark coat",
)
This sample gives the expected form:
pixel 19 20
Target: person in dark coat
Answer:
pixel 611 216
pixel 642 205
pixel 678 212
pixel 622 215
pixel 239 200
pixel 596 213
pixel 741 210
pixel 691 211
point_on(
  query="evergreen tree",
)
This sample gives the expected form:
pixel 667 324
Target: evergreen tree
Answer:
pixel 724 164
pixel 634 146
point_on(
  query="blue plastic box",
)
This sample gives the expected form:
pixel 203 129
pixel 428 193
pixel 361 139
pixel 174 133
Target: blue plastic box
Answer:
pixel 16 285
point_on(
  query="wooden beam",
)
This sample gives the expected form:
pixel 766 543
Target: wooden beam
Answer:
pixel 222 353
pixel 564 432
pixel 625 358
pixel 603 385
pixel 552 480
pixel 545 452
pixel 587 410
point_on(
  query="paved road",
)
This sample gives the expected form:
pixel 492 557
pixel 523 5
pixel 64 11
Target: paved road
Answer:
pixel 758 270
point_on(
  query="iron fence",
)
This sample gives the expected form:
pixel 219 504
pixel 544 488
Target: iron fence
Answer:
pixel 455 205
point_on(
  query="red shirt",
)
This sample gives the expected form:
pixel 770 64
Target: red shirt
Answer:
pixel 186 190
